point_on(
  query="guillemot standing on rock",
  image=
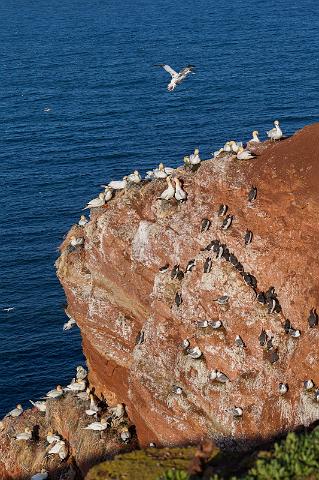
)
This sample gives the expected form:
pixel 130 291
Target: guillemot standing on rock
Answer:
pixel 191 265
pixel 215 324
pixel 164 268
pixel 263 338
pixel 222 300
pixel 178 299
pixel 248 237
pixel 178 390
pixel 205 225
pixel 222 210
pixel 313 318
pixel 283 388
pixel 252 195
pixel 208 265
pixel 227 222
pixel 239 342
pixel 237 412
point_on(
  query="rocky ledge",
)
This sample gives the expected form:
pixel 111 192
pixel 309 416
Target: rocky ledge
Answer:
pixel 134 317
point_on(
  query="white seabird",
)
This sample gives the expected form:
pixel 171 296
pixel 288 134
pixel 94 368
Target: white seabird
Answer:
pixel 96 202
pixel 218 152
pixel 275 133
pixel 41 406
pixel 26 435
pixel 227 147
pixel 52 438
pixel 43 475
pixel 97 426
pixel 15 412
pixel 84 395
pixel 76 386
pixel 59 448
pixel 81 373
pixel 125 435
pixel 83 221
pixel 118 184
pixel 55 393
pixel 69 324
pixel 118 411
pixel 194 352
pixel 235 146
pixel 255 138
pixel 180 194
pixel 243 154
pixel 94 409
pixel 108 194
pixel 194 159
pixel 169 192
pixel 160 171
pixel 177 77
pixel 134 177
pixel 76 241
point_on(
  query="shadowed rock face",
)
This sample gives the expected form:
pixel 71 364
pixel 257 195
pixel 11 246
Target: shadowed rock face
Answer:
pixel 115 290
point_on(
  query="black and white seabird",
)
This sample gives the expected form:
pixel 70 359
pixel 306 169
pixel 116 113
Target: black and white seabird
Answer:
pixel 220 252
pixel 239 266
pixel 205 225
pixel 178 390
pixel 164 268
pixel 140 338
pixel 178 299
pixel 269 344
pixel 261 298
pixel 218 376
pixel 233 259
pixel 202 323
pixel 222 210
pixel 317 395
pixel 308 384
pixel 191 265
pixel 313 318
pixel 287 325
pixel 252 195
pixel 215 324
pixel 248 237
pixel 177 77
pixel 239 342
pixel 208 265
pixel 194 352
pixel 222 300
pixel 174 272
pixel 250 280
pixel 215 245
pixel 227 222
pixel 226 253
pixel 263 338
pixel 294 333
pixel 237 412
pixel 271 305
pixel 185 343
pixel 208 247
pixel 283 388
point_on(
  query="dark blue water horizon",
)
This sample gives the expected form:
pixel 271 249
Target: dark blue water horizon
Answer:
pixel 81 104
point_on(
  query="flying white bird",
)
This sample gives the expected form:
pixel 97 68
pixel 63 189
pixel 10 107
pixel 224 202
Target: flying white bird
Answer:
pixel 177 77
pixel 275 133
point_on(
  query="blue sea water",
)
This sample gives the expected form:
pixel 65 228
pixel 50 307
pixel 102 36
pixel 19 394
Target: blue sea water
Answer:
pixel 81 104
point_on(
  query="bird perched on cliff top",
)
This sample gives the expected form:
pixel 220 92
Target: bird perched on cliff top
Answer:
pixel 177 77
pixel 217 153
pixel 83 221
pixel 243 154
pixel 76 241
pixel 194 158
pixel 180 194
pixel 208 265
pixel 81 373
pixel 96 202
pixel 43 475
pixel 76 386
pixel 134 177
pixel 16 412
pixel 118 184
pixel 41 406
pixel 255 138
pixel 313 318
pixel 185 344
pixel 97 426
pixel 190 265
pixel 55 393
pixel 52 438
pixel 235 146
pixel 169 192
pixel 26 435
pixel 202 324
pixel 176 389
pixel 219 376
pixel 275 133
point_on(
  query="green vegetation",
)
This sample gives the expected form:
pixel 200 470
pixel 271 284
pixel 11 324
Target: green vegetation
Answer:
pixel 294 458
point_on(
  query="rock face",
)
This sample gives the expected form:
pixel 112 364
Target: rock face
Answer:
pixel 115 291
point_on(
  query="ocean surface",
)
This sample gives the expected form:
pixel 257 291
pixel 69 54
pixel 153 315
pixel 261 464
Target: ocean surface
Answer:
pixel 81 103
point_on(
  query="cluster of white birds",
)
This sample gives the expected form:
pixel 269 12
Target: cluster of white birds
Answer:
pixel 237 148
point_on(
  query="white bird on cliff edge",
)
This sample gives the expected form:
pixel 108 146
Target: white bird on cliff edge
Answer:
pixel 275 133
pixel 83 221
pixel 55 393
pixel 76 386
pixel 16 412
pixel 134 177
pixel 118 184
pixel 85 396
pixel 43 475
pixel 96 202
pixel 81 373
pixel 118 411
pixel 243 154
pixel 94 409
pixel 41 406
pixel 69 324
pixel 169 193
pixel 26 435
pixel 180 194
pixel 97 426
pixel 255 138
pixel 59 448
pixel 177 77
pixel 52 438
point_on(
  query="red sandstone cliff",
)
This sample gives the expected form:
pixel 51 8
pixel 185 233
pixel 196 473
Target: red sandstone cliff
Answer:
pixel 115 290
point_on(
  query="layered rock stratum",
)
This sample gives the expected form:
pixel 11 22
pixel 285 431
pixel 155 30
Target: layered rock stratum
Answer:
pixel 132 328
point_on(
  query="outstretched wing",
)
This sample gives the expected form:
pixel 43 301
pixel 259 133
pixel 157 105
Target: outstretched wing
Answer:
pixel 168 69
pixel 186 70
